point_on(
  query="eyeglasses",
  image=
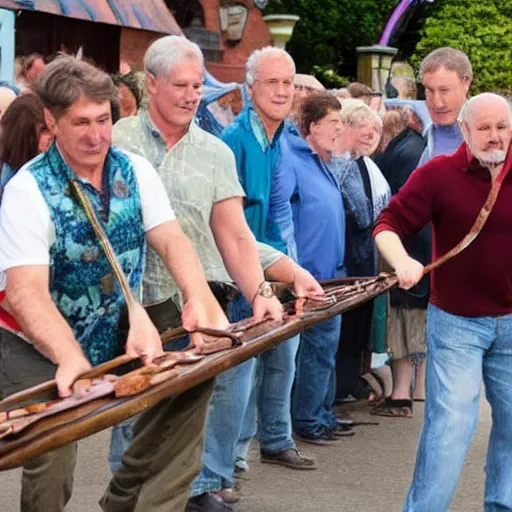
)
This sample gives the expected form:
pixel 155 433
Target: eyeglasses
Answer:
pixel 274 83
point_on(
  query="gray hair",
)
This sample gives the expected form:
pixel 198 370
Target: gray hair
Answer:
pixel 254 61
pixel 355 112
pixel 468 106
pixel 449 58
pixel 67 78
pixel 167 52
pixel 405 86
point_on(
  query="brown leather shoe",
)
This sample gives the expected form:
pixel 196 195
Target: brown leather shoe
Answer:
pixel 228 495
pixel 290 458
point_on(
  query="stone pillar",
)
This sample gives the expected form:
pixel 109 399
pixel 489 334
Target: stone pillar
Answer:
pixel 280 27
pixel 374 64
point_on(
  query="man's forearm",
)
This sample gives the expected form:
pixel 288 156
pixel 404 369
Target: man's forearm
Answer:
pixel 242 260
pixel 282 270
pixel 268 255
pixel 42 324
pixel 391 248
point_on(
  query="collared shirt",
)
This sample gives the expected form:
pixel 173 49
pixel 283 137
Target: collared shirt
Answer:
pixel 440 140
pixel 197 172
pixel 449 191
pixel 256 160
pixel 258 129
pixel 304 183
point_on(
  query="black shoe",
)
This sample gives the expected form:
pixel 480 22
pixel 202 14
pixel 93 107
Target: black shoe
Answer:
pixel 345 422
pixel 207 502
pixel 341 431
pixel 323 438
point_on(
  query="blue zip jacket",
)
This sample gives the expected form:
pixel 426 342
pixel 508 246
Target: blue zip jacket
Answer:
pixel 303 183
pixel 255 166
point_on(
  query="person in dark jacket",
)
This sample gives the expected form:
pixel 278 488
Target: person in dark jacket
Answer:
pixel 407 312
pixel 365 193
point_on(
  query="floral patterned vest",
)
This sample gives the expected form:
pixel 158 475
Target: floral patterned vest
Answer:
pixel 82 284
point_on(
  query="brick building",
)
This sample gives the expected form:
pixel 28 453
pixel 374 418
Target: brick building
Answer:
pixel 107 31
pixel 254 35
pixel 111 32
pixel 226 30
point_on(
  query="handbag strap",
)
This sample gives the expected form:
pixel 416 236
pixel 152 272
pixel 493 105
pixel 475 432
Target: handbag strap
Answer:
pixel 104 242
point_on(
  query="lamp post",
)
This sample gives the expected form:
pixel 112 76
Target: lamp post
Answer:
pixel 280 27
pixel 374 64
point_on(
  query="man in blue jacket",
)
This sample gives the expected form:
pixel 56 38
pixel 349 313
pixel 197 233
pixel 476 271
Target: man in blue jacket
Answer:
pixel 254 139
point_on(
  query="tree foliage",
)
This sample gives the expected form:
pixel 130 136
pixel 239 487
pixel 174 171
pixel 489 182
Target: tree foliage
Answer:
pixel 328 76
pixel 483 30
pixel 330 30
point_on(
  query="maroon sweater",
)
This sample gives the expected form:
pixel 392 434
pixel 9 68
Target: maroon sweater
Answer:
pixel 449 191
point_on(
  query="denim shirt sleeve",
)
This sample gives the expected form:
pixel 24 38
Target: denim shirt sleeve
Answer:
pixel 284 185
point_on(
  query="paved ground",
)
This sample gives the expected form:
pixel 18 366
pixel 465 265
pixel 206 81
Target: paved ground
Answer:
pixel 367 473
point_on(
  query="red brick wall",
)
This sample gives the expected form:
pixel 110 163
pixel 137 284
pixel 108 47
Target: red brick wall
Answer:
pixel 227 73
pixel 134 44
pixel 256 35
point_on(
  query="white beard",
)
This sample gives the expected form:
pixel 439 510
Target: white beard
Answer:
pixel 491 158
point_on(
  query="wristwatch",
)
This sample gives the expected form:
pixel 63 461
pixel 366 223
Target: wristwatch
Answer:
pixel 265 289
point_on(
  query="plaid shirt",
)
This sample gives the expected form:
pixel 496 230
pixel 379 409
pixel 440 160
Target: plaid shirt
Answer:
pixel 197 172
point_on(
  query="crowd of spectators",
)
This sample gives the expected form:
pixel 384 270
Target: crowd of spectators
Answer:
pixel 315 169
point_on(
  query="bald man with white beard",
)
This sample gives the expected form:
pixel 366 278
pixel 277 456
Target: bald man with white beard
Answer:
pixel 469 319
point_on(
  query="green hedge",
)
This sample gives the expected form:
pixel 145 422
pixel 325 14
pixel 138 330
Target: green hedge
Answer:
pixel 482 29
pixel 329 30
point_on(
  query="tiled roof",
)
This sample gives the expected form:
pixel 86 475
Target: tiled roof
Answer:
pixel 143 14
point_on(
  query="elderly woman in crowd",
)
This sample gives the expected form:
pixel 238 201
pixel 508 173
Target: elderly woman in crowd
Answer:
pixel 23 135
pixel 407 312
pixel 365 193
pixel 307 186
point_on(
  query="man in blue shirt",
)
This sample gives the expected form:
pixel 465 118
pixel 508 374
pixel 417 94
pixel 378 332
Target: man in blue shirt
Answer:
pixel 254 139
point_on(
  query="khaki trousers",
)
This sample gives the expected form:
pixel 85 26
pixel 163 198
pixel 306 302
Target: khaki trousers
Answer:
pixel 164 456
pixel 47 480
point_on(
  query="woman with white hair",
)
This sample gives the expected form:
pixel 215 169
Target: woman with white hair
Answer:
pixel 365 193
pixel 363 131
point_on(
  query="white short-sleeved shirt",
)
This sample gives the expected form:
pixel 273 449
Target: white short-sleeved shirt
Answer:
pixel 27 231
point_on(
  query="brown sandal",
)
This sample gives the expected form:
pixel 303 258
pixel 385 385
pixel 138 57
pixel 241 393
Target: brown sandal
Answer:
pixel 393 408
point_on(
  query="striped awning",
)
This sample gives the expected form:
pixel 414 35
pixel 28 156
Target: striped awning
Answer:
pixel 151 15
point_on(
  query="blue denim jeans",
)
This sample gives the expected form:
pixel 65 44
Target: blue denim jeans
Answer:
pixel 223 424
pixel 315 379
pixel 462 351
pixel 268 412
pixel 225 414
